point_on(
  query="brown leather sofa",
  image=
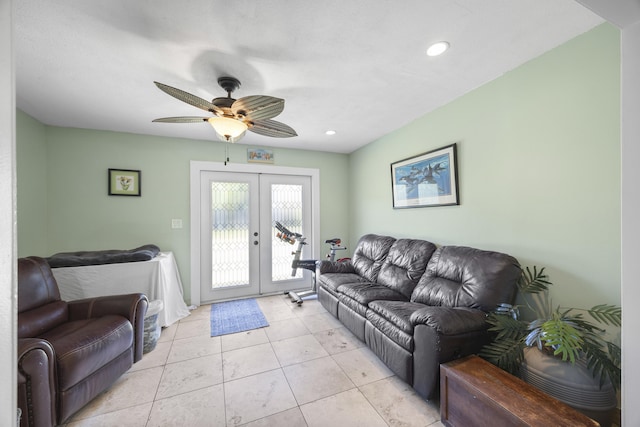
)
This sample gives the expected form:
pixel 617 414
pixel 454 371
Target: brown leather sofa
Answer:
pixel 417 306
pixel 69 352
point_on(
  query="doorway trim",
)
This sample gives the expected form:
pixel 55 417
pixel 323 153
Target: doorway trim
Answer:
pixel 196 167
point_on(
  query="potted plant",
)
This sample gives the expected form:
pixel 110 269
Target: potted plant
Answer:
pixel 562 331
pixel 572 335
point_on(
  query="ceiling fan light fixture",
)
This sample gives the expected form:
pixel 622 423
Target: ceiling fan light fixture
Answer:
pixel 233 117
pixel 229 130
pixel 438 48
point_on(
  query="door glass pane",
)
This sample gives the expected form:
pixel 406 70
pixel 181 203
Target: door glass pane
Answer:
pixel 286 208
pixel 229 234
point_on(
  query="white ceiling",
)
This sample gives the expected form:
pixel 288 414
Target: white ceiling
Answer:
pixel 357 67
pixel 622 13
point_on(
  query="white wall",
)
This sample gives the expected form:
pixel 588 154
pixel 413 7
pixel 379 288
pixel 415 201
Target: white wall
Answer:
pixel 8 297
pixel 630 151
pixel 626 14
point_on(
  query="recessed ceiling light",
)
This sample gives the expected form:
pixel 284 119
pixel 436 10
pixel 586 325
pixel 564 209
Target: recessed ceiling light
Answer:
pixel 437 48
pixel 330 132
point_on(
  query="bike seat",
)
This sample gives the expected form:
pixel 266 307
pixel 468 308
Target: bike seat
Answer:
pixel 335 241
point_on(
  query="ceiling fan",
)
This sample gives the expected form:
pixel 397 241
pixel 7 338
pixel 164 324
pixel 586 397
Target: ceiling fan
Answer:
pixel 232 118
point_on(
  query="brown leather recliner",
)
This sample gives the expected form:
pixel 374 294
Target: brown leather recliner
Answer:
pixel 69 352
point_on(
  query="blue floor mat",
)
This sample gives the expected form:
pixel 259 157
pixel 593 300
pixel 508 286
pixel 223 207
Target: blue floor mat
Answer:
pixel 236 316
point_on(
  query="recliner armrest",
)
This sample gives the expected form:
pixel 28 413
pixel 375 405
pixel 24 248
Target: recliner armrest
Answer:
pixel 450 320
pixel 130 306
pixel 37 381
pixel 326 266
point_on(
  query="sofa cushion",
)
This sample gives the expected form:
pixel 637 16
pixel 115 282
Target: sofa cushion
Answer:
pixel 393 319
pixel 458 276
pixel 391 331
pixel 397 313
pixel 352 304
pixel 405 264
pixel 332 281
pixel 369 254
pixel 364 293
pixel 357 296
pixel 84 346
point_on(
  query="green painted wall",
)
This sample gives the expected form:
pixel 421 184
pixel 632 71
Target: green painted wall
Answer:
pixel 31 171
pixel 539 169
pixel 81 216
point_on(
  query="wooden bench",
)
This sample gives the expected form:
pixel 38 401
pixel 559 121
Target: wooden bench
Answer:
pixel 473 392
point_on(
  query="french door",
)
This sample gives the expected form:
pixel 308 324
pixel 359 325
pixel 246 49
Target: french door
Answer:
pixel 240 254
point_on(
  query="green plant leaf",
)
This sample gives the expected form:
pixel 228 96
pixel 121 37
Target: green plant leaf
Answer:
pixel 566 331
pixel 607 314
pixel 506 326
pixel 560 335
pixel 615 353
pixel 533 282
pixel 601 364
pixel 584 325
pixel 507 354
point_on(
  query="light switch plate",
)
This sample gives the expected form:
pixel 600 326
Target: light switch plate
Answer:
pixel 176 223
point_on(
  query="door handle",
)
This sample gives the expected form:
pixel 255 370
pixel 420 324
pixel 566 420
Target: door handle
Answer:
pixel 255 242
pixel 255 234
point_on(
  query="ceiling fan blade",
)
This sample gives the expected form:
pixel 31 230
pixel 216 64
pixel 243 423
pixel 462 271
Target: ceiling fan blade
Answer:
pixel 181 120
pixel 272 128
pixel 258 107
pixel 189 98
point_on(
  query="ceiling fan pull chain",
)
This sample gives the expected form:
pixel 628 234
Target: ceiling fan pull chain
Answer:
pixel 226 153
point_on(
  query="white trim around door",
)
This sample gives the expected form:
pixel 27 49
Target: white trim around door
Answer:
pixel 196 167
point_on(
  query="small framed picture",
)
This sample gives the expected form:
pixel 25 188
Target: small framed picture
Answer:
pixel 124 182
pixel 428 179
pixel 259 155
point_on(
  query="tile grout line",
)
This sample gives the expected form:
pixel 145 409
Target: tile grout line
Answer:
pixel 164 366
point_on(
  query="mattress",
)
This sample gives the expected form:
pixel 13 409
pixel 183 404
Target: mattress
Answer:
pixel 111 256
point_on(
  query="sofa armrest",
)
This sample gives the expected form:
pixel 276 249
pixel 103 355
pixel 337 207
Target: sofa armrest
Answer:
pixel 450 320
pixel 37 381
pixel 443 334
pixel 133 307
pixel 326 266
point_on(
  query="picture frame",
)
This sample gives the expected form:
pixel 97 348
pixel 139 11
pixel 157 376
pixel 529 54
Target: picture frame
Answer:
pixel 125 182
pixel 427 179
pixel 260 155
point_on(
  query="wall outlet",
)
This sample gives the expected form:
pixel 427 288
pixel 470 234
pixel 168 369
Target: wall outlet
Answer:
pixel 176 223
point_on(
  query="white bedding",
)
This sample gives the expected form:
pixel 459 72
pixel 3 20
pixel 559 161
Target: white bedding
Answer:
pixel 157 278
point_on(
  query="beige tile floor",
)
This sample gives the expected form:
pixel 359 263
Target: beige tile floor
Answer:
pixel 304 369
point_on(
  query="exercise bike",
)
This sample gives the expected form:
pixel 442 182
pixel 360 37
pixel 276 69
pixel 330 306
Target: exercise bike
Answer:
pixel 292 238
